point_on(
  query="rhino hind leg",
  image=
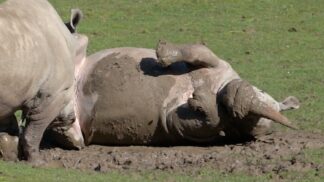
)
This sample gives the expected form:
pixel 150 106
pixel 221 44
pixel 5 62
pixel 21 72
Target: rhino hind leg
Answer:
pixel 205 102
pixel 289 103
pixel 194 54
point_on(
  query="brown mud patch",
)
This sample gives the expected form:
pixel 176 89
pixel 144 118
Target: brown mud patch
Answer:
pixel 275 153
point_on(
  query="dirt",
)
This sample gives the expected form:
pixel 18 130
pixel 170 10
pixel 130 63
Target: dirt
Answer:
pixel 275 153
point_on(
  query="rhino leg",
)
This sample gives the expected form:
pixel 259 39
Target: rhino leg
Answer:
pixel 187 124
pixel 193 54
pixel 205 101
pixel 289 103
pixel 38 119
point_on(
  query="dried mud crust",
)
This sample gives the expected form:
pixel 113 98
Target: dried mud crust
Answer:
pixel 276 153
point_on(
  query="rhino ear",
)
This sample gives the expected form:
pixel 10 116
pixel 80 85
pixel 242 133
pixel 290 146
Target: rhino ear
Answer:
pixel 75 18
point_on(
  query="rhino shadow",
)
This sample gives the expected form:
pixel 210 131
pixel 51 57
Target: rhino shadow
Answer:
pixel 151 67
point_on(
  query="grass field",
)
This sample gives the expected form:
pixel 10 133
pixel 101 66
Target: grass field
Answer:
pixel 277 45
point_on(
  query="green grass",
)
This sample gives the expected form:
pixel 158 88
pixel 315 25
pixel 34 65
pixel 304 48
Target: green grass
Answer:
pixel 275 44
pixel 13 172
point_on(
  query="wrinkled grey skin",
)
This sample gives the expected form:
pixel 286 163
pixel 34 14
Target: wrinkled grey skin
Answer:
pixel 37 70
pixel 174 95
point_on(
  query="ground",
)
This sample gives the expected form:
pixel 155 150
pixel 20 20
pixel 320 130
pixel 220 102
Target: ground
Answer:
pixel 273 154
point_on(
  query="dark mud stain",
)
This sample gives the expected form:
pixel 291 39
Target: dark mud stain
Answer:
pixel 275 153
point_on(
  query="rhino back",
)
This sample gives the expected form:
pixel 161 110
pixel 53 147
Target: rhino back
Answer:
pixel 129 99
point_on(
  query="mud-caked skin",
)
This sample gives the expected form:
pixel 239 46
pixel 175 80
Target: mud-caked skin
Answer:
pixel 172 95
pixel 37 70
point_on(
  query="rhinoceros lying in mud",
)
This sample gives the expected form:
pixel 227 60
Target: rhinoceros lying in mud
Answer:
pixel 174 95
pixel 37 70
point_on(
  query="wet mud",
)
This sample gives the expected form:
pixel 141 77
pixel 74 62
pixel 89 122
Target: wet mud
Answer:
pixel 274 153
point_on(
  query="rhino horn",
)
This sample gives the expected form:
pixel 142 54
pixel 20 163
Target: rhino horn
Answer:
pixel 263 110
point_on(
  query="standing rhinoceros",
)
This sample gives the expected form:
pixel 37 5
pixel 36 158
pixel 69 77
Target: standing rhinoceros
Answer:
pixel 176 94
pixel 37 69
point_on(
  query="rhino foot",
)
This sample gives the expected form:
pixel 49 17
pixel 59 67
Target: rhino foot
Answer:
pixel 205 102
pixel 168 53
pixel 289 103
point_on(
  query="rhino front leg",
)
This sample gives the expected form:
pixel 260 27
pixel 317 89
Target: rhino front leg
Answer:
pixel 194 54
pixel 205 101
pixel 38 119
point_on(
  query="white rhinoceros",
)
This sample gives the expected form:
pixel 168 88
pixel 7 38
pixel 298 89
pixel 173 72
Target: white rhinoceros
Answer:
pixel 173 95
pixel 37 69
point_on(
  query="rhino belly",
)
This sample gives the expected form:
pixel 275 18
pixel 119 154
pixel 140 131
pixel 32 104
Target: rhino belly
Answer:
pixel 128 102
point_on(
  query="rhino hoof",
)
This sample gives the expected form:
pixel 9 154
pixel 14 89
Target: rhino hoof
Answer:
pixel 289 103
pixel 196 105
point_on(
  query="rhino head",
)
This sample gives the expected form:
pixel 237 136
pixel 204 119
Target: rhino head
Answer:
pixel 244 109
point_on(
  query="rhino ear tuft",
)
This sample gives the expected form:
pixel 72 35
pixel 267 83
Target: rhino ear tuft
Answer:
pixel 75 18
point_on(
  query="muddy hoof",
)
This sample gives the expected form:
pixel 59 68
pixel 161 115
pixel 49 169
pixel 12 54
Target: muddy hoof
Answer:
pixel 8 147
pixel 204 102
pixel 289 103
pixel 167 53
